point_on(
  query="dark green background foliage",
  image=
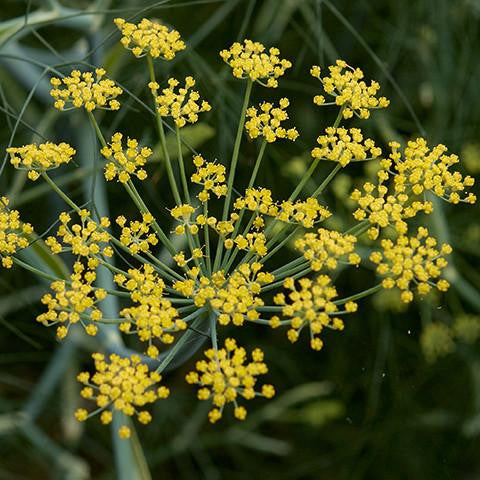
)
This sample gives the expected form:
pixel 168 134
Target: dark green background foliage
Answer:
pixel 369 406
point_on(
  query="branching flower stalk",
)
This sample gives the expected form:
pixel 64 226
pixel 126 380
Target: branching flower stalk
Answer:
pixel 223 278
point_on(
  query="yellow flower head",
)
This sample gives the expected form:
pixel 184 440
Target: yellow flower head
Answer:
pixel 84 239
pixel 124 162
pixel 412 260
pixel 235 298
pixel 120 384
pixel 85 90
pixel 39 158
pixel 422 169
pixel 325 247
pixel 250 60
pixel 211 176
pixel 137 236
pixel 149 38
pixel 226 376
pixel 73 302
pixel 383 209
pixel 351 92
pixel 152 316
pixel 12 233
pixel 311 305
pixel 344 146
pixel 266 122
pixel 182 105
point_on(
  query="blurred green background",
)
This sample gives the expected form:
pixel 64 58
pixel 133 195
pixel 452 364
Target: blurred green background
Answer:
pixel 396 395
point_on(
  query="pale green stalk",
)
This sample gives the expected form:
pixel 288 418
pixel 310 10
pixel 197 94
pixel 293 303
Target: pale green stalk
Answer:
pixel 181 165
pixel 233 166
pixel 163 142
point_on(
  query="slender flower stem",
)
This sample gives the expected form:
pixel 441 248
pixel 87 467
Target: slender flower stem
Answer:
pixel 181 341
pixel 163 142
pixel 206 234
pixel 289 265
pixel 357 296
pixel 60 192
pixel 236 149
pixel 279 283
pixel 233 166
pixel 213 330
pixel 181 165
pixel 327 180
pixel 257 164
pixel 34 270
pixel 280 244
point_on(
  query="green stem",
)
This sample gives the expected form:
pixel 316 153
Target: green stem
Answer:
pixel 257 164
pixel 327 180
pixel 357 296
pixel 213 330
pixel 181 165
pixel 233 166
pixel 180 342
pixel 163 142
pixel 60 193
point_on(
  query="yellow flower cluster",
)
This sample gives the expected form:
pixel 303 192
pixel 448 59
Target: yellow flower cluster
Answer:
pixel 183 213
pixel 326 247
pixel 422 169
pixel 350 91
pixel 84 238
pixel 152 316
pixel 183 106
pixel 85 90
pixel 12 233
pixel 305 212
pixel 266 122
pixel 235 298
pixel 226 376
pixel 120 384
pixel 136 236
pixel 382 209
pixel 149 37
pixel 254 242
pixel 344 146
pixel 73 302
pixel 412 260
pixel 249 60
pixel 124 163
pixel 211 176
pixel 39 158
pixel 312 305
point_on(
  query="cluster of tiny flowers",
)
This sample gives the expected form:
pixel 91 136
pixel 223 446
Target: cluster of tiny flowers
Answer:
pixel 39 158
pixel 183 213
pixel 235 298
pixel 326 247
pixel 124 163
pixel 85 90
pixel 305 212
pixel 421 169
pixel 211 176
pixel 412 260
pixel 137 236
pixel 149 38
pixel 183 106
pixel 73 302
pixel 152 316
pixel 120 384
pixel 226 376
pixel 312 305
pixel 350 91
pixel 84 239
pixel 266 122
pixel 250 60
pixel 382 209
pixel 12 233
pixel 344 146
